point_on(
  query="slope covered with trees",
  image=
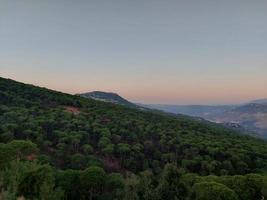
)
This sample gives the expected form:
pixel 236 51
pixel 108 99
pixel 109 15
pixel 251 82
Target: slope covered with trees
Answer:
pixel 108 97
pixel 54 145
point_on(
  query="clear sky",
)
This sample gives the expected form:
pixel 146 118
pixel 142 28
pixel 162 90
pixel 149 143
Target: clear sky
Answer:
pixel 150 51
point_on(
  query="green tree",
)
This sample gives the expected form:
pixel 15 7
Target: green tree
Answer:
pixel 88 149
pixel 213 191
pixel 264 187
pixel 17 149
pixel 78 161
pixel 92 181
pixel 170 186
pixel 147 186
pixel 131 188
pixel 114 185
pixel 30 180
pixel 69 181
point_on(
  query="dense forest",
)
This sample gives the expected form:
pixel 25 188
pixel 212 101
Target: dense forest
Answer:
pixel 60 146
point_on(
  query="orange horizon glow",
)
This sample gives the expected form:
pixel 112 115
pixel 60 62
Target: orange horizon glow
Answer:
pixel 183 93
pixel 168 52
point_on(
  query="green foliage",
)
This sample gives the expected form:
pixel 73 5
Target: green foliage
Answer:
pixel 69 182
pixel 147 186
pixel 16 149
pixel 103 142
pixel 170 186
pixel 250 186
pixel 131 188
pixel 92 181
pixel 88 149
pixel 30 180
pixel 114 185
pixel 264 188
pixel 138 140
pixel 101 138
pixel 213 191
pixel 78 161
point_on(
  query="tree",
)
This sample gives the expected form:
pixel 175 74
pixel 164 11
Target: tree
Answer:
pixel 38 181
pixel 69 181
pixel 114 185
pixel 22 148
pixel 92 181
pixel 254 185
pixel 264 187
pixel 17 149
pixel 213 191
pixel 88 149
pixel 103 142
pixel 108 150
pixel 30 180
pixel 123 149
pixel 131 188
pixel 147 186
pixel 170 186
pixel 78 161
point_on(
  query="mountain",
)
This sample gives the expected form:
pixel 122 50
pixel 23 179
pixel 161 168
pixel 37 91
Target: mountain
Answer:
pixel 259 101
pixel 203 111
pixel 59 146
pixel 108 97
pixel 250 117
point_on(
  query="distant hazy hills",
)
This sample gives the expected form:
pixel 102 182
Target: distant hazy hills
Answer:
pixel 260 101
pixel 250 117
pixel 204 111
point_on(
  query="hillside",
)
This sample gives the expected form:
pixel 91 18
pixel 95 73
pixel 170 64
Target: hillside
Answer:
pixel 108 97
pixel 250 117
pixel 97 149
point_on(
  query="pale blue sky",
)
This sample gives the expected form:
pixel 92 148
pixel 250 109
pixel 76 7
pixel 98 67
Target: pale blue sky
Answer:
pixel 152 51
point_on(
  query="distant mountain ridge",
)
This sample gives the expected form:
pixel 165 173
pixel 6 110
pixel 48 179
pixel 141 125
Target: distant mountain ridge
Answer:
pixel 251 108
pixel 251 117
pixel 204 111
pixel 108 97
pixel 260 101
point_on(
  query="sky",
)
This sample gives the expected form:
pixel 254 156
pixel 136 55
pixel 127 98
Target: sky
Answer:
pixel 148 51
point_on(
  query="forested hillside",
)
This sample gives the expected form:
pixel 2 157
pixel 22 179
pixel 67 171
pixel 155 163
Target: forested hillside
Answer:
pixel 108 97
pixel 60 146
